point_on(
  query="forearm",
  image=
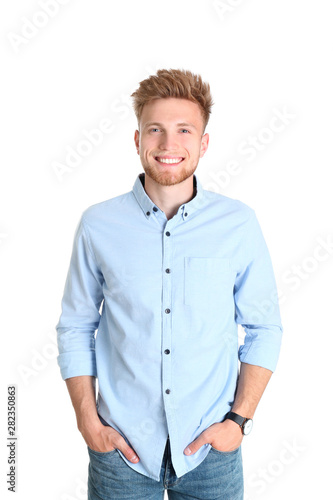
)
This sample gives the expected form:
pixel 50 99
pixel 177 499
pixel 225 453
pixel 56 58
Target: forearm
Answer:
pixel 251 385
pixel 82 391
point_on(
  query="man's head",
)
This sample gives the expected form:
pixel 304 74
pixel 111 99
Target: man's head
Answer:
pixel 172 109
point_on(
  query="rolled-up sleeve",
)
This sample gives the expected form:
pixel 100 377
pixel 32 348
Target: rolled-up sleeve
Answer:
pixel 79 319
pixel 256 301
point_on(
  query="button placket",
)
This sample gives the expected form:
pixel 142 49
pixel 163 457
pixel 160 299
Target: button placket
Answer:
pixel 167 317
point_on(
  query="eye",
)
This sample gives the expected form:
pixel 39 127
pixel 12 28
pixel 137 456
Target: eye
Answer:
pixel 185 130
pixel 153 129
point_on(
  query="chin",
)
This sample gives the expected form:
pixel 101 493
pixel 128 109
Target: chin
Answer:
pixel 169 179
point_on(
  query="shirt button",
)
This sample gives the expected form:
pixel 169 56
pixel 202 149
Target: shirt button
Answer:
pixel 167 351
pixel 185 214
pixel 167 233
pixel 155 209
pixel 168 270
pixel 168 391
pixel 167 311
pixel 147 213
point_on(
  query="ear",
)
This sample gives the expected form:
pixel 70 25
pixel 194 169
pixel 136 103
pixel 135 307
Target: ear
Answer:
pixel 137 140
pixel 204 144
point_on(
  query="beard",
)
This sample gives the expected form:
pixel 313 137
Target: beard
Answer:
pixel 171 175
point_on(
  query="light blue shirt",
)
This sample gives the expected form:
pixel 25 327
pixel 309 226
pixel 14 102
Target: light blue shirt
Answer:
pixel 165 297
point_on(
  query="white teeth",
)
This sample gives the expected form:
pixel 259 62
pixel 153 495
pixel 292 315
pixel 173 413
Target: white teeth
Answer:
pixel 168 160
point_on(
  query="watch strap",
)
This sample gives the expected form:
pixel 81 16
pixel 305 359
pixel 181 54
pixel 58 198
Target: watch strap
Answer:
pixel 236 418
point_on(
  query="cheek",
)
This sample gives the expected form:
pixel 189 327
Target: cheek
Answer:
pixel 191 145
pixel 147 145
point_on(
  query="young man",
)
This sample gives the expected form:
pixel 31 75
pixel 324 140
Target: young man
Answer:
pixel 175 268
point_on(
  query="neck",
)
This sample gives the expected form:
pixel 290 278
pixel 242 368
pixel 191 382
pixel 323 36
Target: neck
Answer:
pixel 169 198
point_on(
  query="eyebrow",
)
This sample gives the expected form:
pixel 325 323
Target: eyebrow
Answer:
pixel 183 124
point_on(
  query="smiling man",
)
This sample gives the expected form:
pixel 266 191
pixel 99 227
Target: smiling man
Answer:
pixel 165 274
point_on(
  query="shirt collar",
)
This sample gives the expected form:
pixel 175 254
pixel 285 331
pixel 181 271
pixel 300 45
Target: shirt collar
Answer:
pixel 148 206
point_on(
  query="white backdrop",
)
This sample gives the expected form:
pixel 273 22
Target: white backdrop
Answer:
pixel 69 67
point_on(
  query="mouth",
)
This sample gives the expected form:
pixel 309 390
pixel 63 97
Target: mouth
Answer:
pixel 169 160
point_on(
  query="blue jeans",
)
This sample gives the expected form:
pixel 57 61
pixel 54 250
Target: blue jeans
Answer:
pixel 218 477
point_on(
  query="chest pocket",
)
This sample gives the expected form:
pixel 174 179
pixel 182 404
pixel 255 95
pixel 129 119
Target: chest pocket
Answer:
pixel 209 282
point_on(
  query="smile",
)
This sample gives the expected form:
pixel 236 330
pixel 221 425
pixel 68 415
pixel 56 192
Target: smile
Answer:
pixel 169 161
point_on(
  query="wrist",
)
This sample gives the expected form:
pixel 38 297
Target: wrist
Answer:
pixel 87 419
pixel 244 423
pixel 243 409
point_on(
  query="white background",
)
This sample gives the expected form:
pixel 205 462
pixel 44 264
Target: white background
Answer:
pixel 80 68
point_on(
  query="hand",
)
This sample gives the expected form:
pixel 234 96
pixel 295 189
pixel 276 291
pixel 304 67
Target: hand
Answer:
pixel 224 436
pixel 104 438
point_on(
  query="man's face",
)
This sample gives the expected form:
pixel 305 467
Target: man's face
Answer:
pixel 171 140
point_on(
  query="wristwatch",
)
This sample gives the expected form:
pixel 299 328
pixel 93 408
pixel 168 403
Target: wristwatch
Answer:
pixel 244 423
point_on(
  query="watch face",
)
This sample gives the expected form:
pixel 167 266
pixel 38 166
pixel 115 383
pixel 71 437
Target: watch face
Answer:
pixel 247 427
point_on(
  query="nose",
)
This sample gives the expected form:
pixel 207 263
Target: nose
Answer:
pixel 168 142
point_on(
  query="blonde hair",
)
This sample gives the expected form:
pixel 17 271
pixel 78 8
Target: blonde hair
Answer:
pixel 174 83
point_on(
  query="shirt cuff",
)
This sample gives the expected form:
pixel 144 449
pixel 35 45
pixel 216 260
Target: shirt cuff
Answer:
pixel 77 363
pixel 257 353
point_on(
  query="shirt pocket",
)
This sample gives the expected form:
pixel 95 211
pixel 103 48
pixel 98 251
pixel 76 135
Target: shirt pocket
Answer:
pixel 209 282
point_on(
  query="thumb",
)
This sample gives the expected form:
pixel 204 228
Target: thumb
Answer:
pixel 129 452
pixel 194 446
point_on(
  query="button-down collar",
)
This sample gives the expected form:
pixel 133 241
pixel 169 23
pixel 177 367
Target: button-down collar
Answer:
pixel 149 207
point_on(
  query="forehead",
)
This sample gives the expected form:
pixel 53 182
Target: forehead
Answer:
pixel 171 110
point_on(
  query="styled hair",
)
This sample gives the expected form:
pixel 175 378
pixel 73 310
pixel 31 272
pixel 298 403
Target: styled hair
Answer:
pixel 174 83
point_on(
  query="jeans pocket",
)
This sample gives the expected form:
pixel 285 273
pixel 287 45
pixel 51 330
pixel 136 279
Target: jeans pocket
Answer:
pixel 102 453
pixel 232 452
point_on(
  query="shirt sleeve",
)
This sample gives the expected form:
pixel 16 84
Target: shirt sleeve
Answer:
pixel 79 319
pixel 256 301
